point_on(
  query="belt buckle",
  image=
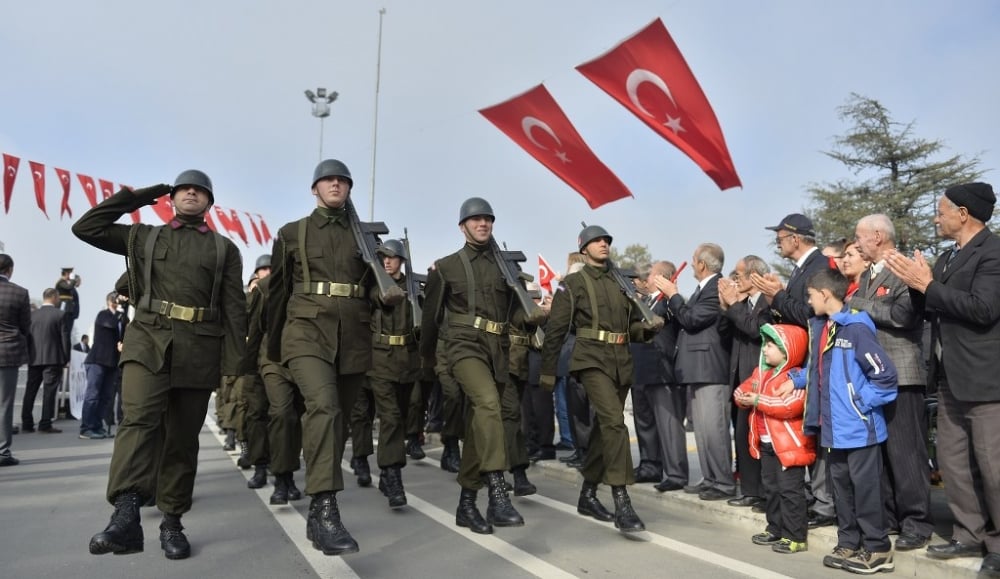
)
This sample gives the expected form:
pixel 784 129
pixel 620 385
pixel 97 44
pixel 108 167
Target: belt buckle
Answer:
pixel 397 340
pixel 617 338
pixel 494 327
pixel 183 313
pixel 329 290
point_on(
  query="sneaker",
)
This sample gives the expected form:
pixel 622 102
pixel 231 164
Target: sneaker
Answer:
pixel 836 559
pixel 91 435
pixel 788 546
pixel 765 538
pixel 865 562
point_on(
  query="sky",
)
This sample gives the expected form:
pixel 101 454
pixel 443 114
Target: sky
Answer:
pixel 138 92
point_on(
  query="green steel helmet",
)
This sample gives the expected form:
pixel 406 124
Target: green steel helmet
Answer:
pixel 198 179
pixel 262 262
pixel 590 233
pixel 332 168
pixel 392 248
pixel 475 206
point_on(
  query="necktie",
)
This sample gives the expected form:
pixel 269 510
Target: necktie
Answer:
pixel 951 258
pixel 795 272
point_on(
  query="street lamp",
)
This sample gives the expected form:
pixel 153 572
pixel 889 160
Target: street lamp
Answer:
pixel 321 109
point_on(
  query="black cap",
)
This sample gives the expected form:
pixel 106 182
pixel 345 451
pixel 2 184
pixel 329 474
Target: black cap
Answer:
pixel 796 223
pixel 978 198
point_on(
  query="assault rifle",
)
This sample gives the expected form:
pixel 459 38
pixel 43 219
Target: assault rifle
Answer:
pixel 366 236
pixel 512 274
pixel 628 288
pixel 414 282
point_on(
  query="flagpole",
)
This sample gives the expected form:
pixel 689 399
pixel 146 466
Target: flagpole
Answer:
pixel 378 77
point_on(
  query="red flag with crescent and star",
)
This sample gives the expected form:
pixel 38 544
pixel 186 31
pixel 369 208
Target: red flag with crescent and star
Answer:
pixel 238 226
pixel 38 176
pixel 10 164
pixel 89 189
pixel 107 188
pixel 545 274
pixel 535 121
pixel 647 74
pixel 264 231
pixel 253 227
pixel 65 181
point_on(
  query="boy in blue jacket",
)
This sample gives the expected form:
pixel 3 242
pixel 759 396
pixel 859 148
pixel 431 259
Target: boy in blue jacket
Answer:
pixel 848 379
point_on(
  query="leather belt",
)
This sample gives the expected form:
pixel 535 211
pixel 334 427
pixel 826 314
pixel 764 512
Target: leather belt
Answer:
pixel 183 313
pixel 392 340
pixel 330 289
pixel 478 322
pixel 602 336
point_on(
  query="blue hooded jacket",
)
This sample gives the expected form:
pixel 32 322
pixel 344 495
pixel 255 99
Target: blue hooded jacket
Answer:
pixel 848 383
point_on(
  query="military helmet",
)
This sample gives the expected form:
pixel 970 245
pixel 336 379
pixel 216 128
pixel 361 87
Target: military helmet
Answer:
pixel 198 179
pixel 392 248
pixel 590 233
pixel 332 168
pixel 475 206
pixel 262 262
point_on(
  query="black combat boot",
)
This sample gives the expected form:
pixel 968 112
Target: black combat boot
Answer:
pixel 230 443
pixel 500 512
pixel 468 514
pixel 294 494
pixel 123 535
pixel 362 471
pixel 589 505
pixel 280 494
pixel 451 456
pixel 172 540
pixel 324 528
pixel 626 520
pixel 413 448
pixel 244 460
pixel 522 486
pixel 259 478
pixel 391 485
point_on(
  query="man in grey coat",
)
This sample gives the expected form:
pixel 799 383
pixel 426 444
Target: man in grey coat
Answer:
pixel 15 326
pixel 48 353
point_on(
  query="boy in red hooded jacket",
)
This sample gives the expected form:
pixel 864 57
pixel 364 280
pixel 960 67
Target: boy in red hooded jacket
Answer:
pixel 776 437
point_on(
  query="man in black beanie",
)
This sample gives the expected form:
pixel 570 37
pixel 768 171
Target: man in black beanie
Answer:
pixel 961 297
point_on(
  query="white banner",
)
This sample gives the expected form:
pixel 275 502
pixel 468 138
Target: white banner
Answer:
pixel 77 383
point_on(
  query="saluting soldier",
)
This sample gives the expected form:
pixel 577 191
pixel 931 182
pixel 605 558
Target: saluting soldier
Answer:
pixel 606 321
pixel 189 330
pixel 467 291
pixel 319 309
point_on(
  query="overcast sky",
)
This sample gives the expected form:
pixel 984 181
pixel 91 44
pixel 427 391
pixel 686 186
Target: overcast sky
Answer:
pixel 137 92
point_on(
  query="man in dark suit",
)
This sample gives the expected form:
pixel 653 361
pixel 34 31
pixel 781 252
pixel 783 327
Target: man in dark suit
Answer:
pixel 646 370
pixel 899 327
pixel 744 311
pixel 102 368
pixel 48 354
pixel 961 297
pixel 796 240
pixel 83 345
pixel 703 365
pixel 15 327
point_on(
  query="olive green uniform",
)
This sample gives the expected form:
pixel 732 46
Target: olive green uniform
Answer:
pixel 452 398
pixel 253 397
pixel 477 348
pixel 319 310
pixel 510 404
pixel 601 361
pixel 170 366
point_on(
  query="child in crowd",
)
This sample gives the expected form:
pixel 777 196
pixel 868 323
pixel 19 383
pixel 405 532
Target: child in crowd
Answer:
pixel 848 379
pixel 776 437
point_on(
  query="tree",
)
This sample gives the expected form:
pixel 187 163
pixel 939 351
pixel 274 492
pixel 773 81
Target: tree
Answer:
pixel 632 256
pixel 895 173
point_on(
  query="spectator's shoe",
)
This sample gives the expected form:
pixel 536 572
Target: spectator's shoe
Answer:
pixel 668 485
pixel 864 562
pixel 123 535
pixel 695 489
pixel 324 528
pixel 172 540
pixel 816 520
pixel 626 519
pixel 468 514
pixel 761 508
pixel 590 506
pixel 836 559
pixel 765 538
pixel 647 473
pixel 576 456
pixel 500 511
pixel 788 546
pixel 911 541
pixel 745 501
pixel 259 478
pixel 9 460
pixel 713 494
pixel 954 549
pixel 92 435
pixel 522 486
pixel 564 446
pixel 990 566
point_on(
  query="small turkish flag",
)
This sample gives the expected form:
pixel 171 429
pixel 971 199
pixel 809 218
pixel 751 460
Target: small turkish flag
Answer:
pixel 253 227
pixel 164 209
pixel 38 175
pixel 545 274
pixel 648 75
pixel 10 163
pixel 89 189
pixel 264 231
pixel 64 180
pixel 534 121
pixel 107 188
pixel 238 226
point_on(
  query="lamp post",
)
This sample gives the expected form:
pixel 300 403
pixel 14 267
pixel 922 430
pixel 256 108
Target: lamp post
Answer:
pixel 378 77
pixel 321 109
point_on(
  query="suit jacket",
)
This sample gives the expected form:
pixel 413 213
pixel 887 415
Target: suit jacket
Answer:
pixel 15 324
pixel 654 361
pixel 963 304
pixel 47 346
pixel 898 325
pixel 791 305
pixel 743 323
pixel 702 355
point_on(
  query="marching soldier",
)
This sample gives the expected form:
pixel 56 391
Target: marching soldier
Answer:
pixel 605 321
pixel 452 407
pixel 318 312
pixel 253 395
pixel 188 331
pixel 467 291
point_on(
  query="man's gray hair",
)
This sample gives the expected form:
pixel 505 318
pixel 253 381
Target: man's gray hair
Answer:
pixel 712 255
pixel 880 222
pixel 755 264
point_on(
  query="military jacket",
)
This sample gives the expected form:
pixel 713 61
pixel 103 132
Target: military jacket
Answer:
pixel 182 272
pixel 394 363
pixel 448 297
pixel 571 307
pixel 333 328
